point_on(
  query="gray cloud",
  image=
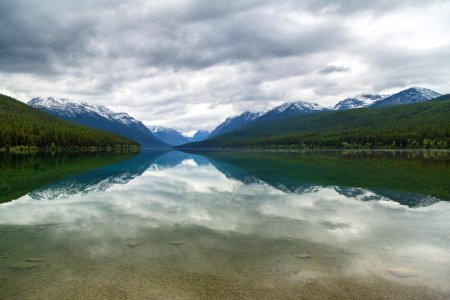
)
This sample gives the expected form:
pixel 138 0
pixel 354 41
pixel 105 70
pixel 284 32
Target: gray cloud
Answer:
pixel 333 69
pixel 189 64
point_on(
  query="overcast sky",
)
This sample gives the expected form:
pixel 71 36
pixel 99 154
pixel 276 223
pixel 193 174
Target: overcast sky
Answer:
pixel 190 64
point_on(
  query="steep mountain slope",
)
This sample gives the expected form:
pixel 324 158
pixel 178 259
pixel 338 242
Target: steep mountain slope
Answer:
pixel 419 125
pixel 168 135
pixel 285 110
pixel 291 109
pixel 22 125
pixel 199 136
pixel 235 122
pixel 408 96
pixel 98 117
pixel 362 100
pixel 442 98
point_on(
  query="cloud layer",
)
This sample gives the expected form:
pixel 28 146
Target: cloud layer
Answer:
pixel 190 64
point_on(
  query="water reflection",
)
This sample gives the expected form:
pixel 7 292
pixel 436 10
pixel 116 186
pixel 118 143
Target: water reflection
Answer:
pixel 292 178
pixel 173 223
pixel 21 174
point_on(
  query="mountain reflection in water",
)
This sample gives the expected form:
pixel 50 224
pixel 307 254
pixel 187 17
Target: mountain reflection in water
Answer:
pixel 233 225
pixel 121 173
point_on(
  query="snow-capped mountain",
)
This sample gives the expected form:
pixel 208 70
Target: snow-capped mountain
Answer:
pixel 292 109
pixel 98 117
pixel 235 122
pixel 168 135
pixel 285 110
pixel 362 100
pixel 199 136
pixel 411 95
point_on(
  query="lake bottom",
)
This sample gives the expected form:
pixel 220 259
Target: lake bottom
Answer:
pixel 100 259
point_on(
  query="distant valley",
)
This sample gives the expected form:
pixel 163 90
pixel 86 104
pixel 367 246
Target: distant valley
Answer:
pixel 175 138
pixel 354 122
pixel 413 118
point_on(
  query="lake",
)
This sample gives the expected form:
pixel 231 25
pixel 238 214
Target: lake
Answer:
pixel 226 225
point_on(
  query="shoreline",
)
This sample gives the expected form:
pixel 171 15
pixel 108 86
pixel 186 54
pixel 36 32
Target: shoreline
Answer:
pixel 70 149
pixel 310 150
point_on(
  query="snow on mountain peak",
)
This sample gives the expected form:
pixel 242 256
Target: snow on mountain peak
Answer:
pixel 427 93
pixel 360 100
pixel 158 128
pixel 408 96
pixel 125 118
pixel 247 115
pixel 73 108
pixel 298 105
pixel 49 102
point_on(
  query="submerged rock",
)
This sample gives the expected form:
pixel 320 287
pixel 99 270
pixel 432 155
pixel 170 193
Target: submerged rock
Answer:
pixel 133 244
pixel 177 243
pixel 402 272
pixel 25 265
pixel 304 256
pixel 36 259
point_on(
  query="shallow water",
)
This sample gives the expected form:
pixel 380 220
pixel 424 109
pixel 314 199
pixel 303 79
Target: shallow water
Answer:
pixel 186 226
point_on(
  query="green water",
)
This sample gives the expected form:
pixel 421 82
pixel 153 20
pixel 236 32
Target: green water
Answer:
pixel 174 225
pixel 21 173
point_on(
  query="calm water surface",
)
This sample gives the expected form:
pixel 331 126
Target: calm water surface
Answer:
pixel 175 225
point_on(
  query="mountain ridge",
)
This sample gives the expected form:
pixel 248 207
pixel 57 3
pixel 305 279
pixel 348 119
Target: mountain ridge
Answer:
pixel 360 100
pixel 416 125
pixel 297 108
pixel 168 135
pixel 199 136
pixel 98 117
pixel 23 125
pixel 407 96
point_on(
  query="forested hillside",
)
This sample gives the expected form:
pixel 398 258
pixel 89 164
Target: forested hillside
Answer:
pixel 21 125
pixel 420 125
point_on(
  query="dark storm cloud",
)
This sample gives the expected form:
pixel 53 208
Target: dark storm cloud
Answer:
pixel 250 34
pixel 165 60
pixel 36 36
pixel 33 37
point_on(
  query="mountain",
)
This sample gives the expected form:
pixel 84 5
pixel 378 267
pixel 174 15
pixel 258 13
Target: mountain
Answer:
pixel 199 136
pixel 22 125
pixel 291 109
pixel 408 96
pixel 168 135
pixel 285 110
pixel 235 122
pixel 362 100
pixel 442 98
pixel 98 117
pixel 418 125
